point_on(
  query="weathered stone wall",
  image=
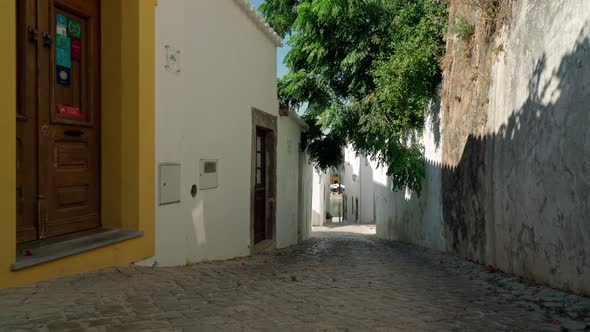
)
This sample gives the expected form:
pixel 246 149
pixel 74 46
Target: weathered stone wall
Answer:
pixel 514 178
pixel 517 193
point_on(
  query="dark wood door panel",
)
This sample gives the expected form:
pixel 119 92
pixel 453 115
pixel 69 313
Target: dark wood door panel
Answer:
pixel 89 8
pixel 72 225
pixel 69 173
pixel 26 122
pixel 82 92
pixel 58 119
pixel 260 187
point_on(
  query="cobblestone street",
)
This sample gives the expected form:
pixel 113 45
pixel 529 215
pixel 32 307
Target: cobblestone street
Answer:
pixel 343 279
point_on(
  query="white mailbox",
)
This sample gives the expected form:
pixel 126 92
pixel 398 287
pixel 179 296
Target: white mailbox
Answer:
pixel 169 183
pixel 208 176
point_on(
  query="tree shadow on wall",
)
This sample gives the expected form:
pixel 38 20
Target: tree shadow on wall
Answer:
pixel 433 119
pixel 518 198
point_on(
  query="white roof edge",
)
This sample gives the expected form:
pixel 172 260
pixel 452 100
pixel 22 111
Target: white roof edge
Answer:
pixel 298 120
pixel 257 19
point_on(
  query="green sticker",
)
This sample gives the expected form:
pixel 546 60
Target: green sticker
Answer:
pixel 74 29
pixel 62 42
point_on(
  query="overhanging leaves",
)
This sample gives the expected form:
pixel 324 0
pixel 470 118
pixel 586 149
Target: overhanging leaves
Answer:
pixel 366 69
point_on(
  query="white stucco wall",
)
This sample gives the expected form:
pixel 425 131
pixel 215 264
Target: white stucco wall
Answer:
pixel 406 216
pixel 306 196
pixel 320 198
pixel 289 174
pixel 352 183
pixel 399 215
pixel 367 192
pixel 228 66
pixel 359 184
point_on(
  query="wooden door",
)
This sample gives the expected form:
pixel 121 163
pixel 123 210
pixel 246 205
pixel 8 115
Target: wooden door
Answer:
pixel 26 122
pixel 260 187
pixel 63 134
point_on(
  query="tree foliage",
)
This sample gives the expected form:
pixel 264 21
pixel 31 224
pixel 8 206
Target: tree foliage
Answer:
pixel 366 70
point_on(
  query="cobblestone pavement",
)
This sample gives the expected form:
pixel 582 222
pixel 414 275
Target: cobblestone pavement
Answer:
pixel 342 280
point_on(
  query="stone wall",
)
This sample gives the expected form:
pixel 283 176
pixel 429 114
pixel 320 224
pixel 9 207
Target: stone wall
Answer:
pixel 545 165
pixel 515 172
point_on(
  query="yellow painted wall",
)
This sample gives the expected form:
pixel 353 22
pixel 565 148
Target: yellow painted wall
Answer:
pixel 128 164
pixel 7 137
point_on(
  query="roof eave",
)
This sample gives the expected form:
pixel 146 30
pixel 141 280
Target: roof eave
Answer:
pixel 259 21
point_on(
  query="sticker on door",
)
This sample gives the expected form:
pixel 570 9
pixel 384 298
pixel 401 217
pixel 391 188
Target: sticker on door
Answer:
pixel 69 110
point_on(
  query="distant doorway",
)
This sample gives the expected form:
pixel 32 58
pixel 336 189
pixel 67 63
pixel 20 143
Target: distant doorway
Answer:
pixel 263 205
pixel 356 209
pixel 344 207
pixel 261 227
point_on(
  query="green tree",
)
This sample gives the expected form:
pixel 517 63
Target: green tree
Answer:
pixel 366 70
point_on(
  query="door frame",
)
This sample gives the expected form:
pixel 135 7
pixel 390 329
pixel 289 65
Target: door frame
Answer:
pixel 268 122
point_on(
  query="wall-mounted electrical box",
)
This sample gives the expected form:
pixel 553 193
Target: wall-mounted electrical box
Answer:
pixel 208 176
pixel 169 185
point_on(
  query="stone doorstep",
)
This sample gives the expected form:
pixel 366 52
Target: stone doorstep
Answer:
pixel 264 246
pixel 52 249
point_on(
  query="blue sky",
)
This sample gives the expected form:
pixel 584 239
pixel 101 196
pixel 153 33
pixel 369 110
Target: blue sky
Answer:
pixel 281 52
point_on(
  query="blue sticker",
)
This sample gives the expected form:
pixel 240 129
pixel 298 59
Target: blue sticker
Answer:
pixel 61 20
pixel 64 75
pixel 63 57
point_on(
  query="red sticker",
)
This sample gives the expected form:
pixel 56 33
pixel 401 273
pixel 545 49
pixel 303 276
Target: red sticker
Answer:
pixel 76 49
pixel 69 110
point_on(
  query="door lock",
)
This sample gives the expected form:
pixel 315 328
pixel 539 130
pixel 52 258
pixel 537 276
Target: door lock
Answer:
pixel 44 130
pixel 33 34
pixel 47 39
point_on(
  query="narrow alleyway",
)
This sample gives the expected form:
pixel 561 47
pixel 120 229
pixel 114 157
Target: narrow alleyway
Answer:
pixel 343 279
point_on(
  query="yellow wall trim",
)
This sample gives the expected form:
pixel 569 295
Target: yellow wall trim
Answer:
pixel 8 136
